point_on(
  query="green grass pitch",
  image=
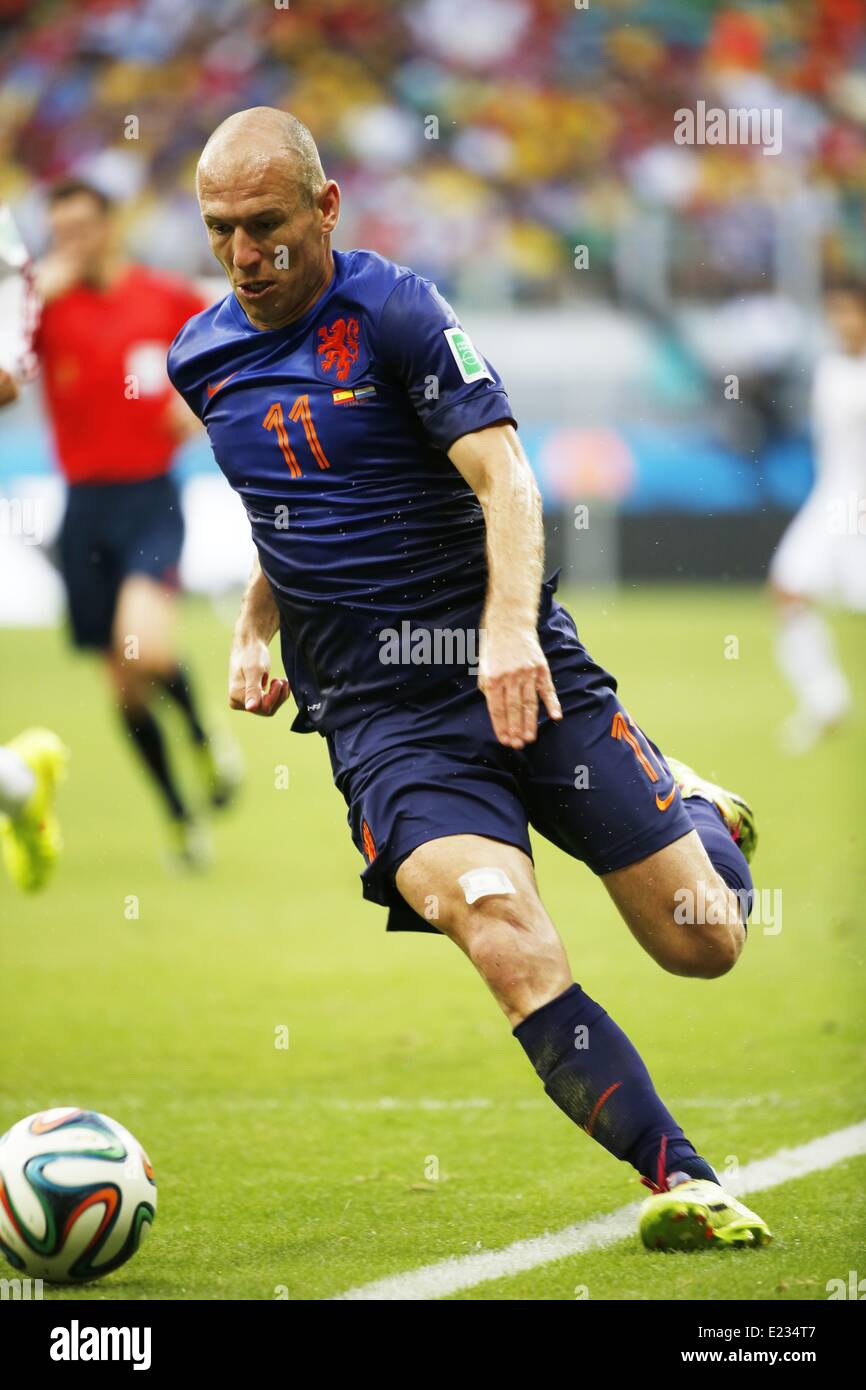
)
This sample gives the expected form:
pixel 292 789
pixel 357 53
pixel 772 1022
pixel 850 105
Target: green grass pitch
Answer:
pixel 304 1171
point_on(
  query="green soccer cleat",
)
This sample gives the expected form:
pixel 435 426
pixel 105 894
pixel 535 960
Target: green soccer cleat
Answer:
pixel 31 840
pixel 699 1215
pixel 734 810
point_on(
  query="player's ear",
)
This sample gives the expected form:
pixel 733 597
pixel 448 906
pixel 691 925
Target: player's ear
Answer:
pixel 329 205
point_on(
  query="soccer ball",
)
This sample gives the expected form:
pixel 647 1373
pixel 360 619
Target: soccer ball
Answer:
pixel 77 1194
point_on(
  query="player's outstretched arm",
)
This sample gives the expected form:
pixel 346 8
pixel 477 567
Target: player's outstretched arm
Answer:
pixel 513 670
pixel 250 687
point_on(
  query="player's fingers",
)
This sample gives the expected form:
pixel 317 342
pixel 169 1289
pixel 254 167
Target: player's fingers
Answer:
pixel 514 684
pixel 526 717
pixel 282 695
pixel 237 689
pixel 494 694
pixel 269 696
pixel 547 691
pixel 529 708
pixel 254 687
pixel 276 695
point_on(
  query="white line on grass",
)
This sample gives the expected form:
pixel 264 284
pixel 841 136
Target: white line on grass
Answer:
pixel 433 1103
pixel 465 1271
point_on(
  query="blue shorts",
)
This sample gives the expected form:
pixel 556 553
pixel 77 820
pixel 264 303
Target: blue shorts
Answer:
pixel 592 783
pixel 110 531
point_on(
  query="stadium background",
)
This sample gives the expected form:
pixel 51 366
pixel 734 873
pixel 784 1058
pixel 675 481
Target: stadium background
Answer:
pixel 307 1170
pixel 551 132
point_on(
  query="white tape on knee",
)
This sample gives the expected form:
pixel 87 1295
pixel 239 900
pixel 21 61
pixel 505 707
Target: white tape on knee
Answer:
pixel 481 883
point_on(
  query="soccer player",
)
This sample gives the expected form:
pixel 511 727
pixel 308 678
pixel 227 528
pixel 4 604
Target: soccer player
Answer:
pixel 396 517
pixel 822 555
pixel 31 765
pixel 101 341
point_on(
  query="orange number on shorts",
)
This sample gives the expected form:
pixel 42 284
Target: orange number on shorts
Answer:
pixel 620 729
pixel 274 420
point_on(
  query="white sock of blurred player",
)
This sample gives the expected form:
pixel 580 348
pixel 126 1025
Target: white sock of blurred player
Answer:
pixel 17 782
pixel 807 655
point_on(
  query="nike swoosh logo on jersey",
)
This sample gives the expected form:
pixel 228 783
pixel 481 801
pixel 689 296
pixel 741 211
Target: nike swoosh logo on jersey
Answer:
pixel 663 802
pixel 212 390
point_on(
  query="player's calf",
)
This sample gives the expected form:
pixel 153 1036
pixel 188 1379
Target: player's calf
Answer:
pixel 486 900
pixel 680 910
pixel 516 949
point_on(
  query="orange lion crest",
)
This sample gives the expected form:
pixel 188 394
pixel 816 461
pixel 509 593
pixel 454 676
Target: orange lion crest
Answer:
pixel 338 346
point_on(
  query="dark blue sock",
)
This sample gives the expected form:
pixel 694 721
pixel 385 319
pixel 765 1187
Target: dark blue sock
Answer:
pixel 148 739
pixel 725 856
pixel 178 687
pixel 593 1073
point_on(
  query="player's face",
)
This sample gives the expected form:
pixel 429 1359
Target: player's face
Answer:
pixel 81 231
pixel 846 315
pixel 272 245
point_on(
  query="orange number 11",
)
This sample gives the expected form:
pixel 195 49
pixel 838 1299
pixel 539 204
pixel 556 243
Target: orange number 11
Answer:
pixel 274 420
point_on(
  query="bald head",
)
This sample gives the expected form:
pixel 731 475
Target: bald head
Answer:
pixel 269 213
pixel 259 137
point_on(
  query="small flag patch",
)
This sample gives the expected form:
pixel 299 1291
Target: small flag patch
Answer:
pixel 348 396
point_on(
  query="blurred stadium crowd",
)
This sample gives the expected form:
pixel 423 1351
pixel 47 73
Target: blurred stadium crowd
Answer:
pixel 482 143
pixel 554 130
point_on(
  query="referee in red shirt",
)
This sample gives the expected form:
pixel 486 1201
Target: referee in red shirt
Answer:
pixel 102 340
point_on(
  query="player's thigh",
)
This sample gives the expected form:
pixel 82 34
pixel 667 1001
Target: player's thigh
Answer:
pixel 436 812
pixel 679 909
pixel 88 569
pixel 148 542
pixel 805 561
pixel 421 773
pixel 145 625
pixel 600 788
pixel 596 785
pixel 851 572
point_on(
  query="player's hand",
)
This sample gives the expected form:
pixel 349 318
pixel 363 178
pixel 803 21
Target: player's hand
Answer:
pixel 250 686
pixel 512 674
pixel 8 388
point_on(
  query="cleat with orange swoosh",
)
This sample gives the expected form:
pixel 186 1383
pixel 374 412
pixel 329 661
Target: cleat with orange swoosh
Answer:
pixel 734 809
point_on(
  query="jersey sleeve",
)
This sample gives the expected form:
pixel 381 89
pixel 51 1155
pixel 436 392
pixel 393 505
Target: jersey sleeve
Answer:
pixel 453 389
pixel 183 302
pixel 178 367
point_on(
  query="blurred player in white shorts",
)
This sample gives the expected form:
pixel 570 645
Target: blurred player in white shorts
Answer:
pixel 821 558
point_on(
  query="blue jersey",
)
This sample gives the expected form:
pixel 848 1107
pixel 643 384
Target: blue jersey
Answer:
pixel 334 432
